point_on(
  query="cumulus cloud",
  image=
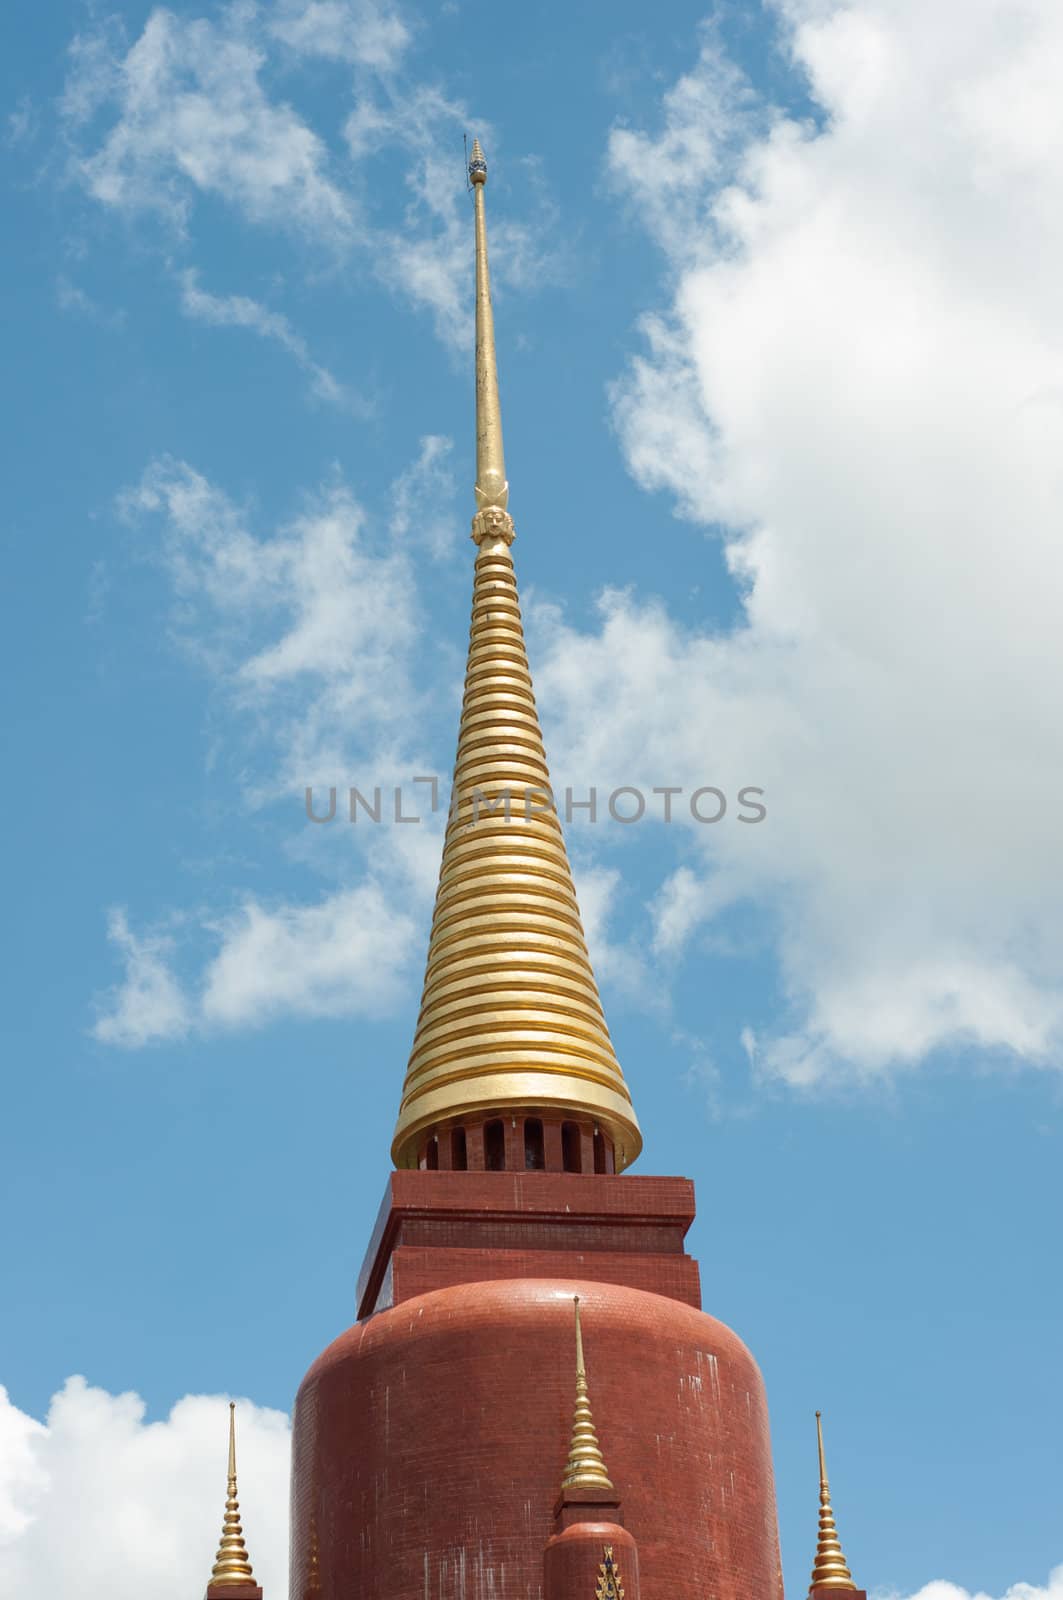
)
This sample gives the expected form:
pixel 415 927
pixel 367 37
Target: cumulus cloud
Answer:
pixel 240 311
pixel 941 1589
pixel 858 382
pixel 100 1502
pixel 149 1004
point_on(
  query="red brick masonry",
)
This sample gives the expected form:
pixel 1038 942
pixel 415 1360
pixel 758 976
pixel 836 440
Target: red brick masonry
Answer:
pixel 441 1228
pixel 430 1441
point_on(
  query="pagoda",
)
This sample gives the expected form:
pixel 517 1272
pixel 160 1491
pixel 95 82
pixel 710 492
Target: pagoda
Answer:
pixel 434 1453
pixel 444 1446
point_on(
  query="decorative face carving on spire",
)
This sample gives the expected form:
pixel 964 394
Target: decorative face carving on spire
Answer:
pixel 493 523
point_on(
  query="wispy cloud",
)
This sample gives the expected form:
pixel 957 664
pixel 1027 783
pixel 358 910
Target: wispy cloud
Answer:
pixel 22 123
pixel 240 311
pixel 149 1005
pixel 305 634
pixel 308 628
pixel 365 33
pixel 346 955
pixel 72 298
pixel 422 497
pixel 188 112
pixel 194 117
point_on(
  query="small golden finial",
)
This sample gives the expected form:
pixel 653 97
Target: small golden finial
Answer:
pixel 232 1564
pixel 586 1468
pixel 477 164
pixel 830 1570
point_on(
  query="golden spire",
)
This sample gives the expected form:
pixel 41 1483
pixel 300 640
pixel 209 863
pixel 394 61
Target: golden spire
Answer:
pixel 830 1570
pixel 586 1467
pixel 231 1564
pixel 510 1015
pixel 491 487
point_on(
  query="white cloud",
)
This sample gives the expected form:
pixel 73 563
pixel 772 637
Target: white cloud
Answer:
pixel 149 1004
pixel 422 497
pixel 362 32
pixel 941 1589
pixel 616 961
pixel 193 117
pixel 428 258
pixel 707 116
pixel 310 629
pixel 22 123
pixel 306 636
pixel 188 111
pixel 348 955
pixel 101 1503
pixel 239 311
pixel 71 297
pixel 859 380
pixel 22 1476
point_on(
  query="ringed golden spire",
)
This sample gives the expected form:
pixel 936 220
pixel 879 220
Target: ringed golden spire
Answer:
pixel 510 1015
pixel 830 1570
pixel 586 1465
pixel 232 1564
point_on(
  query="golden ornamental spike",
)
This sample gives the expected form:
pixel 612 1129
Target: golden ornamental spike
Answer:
pixel 830 1570
pixel 510 1018
pixel 232 1564
pixel 586 1466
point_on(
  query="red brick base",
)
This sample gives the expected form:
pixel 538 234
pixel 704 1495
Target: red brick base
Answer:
pixel 430 1441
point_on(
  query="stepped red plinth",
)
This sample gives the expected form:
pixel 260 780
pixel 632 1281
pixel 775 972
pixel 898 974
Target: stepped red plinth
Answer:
pixel 592 1552
pixel 435 1229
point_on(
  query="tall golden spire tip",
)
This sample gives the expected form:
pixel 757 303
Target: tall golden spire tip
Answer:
pixel 232 1564
pixel 511 1019
pixel 829 1570
pixel 586 1466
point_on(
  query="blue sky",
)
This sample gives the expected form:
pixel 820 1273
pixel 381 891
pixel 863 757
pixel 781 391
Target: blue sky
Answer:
pixel 780 349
